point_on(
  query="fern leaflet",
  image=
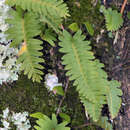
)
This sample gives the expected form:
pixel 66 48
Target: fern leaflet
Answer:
pixel 113 99
pixel 113 19
pixel 23 28
pixel 45 123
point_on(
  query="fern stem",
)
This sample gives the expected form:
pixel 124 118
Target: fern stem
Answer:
pixel 123 6
pixel 61 101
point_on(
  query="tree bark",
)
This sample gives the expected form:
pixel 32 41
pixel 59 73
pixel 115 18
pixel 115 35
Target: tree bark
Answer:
pixel 122 73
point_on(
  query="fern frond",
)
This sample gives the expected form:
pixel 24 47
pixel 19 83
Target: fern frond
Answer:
pixel 45 123
pixel 89 78
pixel 103 122
pixel 113 98
pixel 51 11
pixel 49 36
pixel 52 22
pixel 93 109
pixel 113 19
pixel 87 73
pixel 23 28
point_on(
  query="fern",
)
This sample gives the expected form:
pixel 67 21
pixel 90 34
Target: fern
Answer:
pixel 51 11
pixel 113 19
pixel 113 99
pixel 46 123
pixel 103 122
pixel 49 36
pixel 90 79
pixel 23 28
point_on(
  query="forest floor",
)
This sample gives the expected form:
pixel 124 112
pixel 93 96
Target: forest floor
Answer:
pixel 27 96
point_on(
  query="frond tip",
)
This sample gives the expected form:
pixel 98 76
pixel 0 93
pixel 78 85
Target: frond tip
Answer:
pixel 113 19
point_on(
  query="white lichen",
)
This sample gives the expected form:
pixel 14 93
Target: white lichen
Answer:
pixel 8 67
pixel 11 119
pixel 4 9
pixel 8 56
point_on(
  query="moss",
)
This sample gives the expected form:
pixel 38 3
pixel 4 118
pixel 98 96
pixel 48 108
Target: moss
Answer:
pixel 24 95
pixel 84 10
pixel 27 96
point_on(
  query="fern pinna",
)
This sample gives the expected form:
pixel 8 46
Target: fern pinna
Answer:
pixel 24 26
pixel 113 19
pixel 88 75
pixel 50 11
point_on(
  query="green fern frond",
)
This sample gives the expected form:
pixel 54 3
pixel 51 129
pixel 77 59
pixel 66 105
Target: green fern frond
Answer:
pixel 87 73
pixel 49 36
pixel 113 98
pixel 46 123
pixel 51 11
pixel 103 122
pixel 93 109
pixel 52 22
pixel 25 26
pixel 113 19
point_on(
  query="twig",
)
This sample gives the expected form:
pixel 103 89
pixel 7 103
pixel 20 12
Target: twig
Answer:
pixel 116 38
pixel 81 126
pixel 61 101
pixel 123 6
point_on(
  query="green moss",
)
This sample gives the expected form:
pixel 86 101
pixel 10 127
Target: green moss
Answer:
pixel 27 96
pixel 24 95
pixel 84 10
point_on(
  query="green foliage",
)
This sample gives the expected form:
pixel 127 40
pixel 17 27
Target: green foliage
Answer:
pixel 45 123
pixel 113 19
pixel 49 36
pixel 51 11
pixel 59 90
pixel 89 28
pixel 65 117
pixel 103 122
pixel 74 27
pixel 91 81
pixel 83 10
pixel 24 27
pixel 128 15
pixel 34 97
pixel 113 99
